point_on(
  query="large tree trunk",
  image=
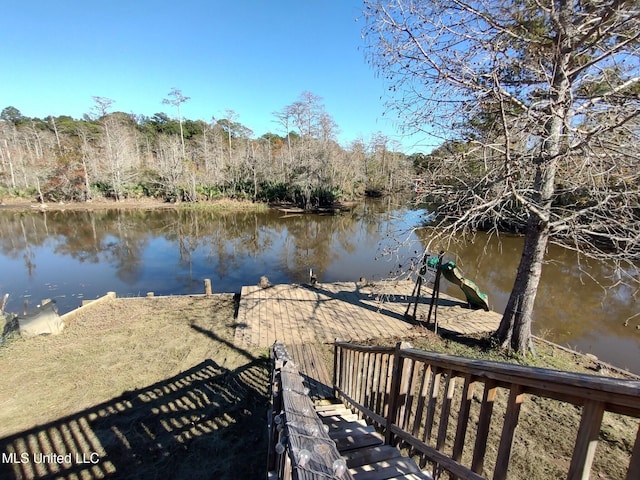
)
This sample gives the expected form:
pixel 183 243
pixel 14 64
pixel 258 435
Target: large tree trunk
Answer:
pixel 514 331
pixel 515 327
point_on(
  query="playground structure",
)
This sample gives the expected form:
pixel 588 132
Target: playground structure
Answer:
pixel 475 298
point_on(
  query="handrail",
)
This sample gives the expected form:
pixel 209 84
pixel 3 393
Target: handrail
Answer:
pixel 299 447
pixel 411 395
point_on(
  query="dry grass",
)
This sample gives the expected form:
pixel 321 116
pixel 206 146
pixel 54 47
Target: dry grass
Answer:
pixel 18 204
pixel 154 387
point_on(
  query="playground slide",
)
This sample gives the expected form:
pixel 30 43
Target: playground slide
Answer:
pixel 475 297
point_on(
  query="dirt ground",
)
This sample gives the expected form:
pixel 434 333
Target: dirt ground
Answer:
pixel 145 388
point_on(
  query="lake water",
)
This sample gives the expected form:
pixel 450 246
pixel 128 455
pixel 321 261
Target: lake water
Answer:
pixel 75 255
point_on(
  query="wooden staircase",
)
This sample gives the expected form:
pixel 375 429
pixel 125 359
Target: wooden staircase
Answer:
pixel 305 417
pixel 363 448
pixel 444 408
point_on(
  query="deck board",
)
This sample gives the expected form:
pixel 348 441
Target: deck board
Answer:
pixel 301 314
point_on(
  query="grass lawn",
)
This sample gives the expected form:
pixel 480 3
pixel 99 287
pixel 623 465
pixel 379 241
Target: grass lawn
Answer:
pixel 146 388
pixel 137 388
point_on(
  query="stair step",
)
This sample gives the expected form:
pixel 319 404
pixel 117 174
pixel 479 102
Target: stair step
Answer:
pixel 397 467
pixel 352 417
pixel 424 475
pixel 358 440
pixel 356 430
pixel 329 406
pixel 363 456
pixel 333 412
pixel 344 425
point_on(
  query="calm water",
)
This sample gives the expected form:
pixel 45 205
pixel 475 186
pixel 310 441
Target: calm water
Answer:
pixel 71 256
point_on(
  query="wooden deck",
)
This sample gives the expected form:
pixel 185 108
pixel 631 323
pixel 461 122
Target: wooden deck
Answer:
pixel 303 314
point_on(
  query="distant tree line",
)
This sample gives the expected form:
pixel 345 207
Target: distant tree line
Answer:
pixel 112 154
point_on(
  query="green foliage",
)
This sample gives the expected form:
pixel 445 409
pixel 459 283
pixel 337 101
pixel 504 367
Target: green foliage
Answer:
pixel 420 162
pixel 150 184
pixel 29 193
pixel 235 129
pixel 12 115
pixel 314 198
pixel 159 123
pixel 449 149
pixel 275 192
pixel 325 197
pixel 209 192
pixel 280 192
pixel 273 138
pixel 242 190
pixel 103 189
pixel 192 128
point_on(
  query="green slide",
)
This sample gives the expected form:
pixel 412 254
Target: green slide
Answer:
pixel 475 297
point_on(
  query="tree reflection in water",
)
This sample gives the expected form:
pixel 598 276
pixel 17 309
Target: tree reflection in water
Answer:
pixel 74 255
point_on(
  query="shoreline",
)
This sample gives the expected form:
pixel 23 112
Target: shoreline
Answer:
pixel 21 204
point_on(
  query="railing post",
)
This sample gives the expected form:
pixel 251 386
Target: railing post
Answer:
pixel 484 423
pixel 394 394
pixel 516 397
pixel 337 366
pixel 587 440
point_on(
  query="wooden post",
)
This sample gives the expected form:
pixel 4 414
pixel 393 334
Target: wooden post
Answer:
pixel 484 423
pixel 634 466
pixel 587 440
pixel 435 294
pixel 3 303
pixel 516 397
pixel 394 394
pixel 463 417
pixel 207 287
pixel 337 366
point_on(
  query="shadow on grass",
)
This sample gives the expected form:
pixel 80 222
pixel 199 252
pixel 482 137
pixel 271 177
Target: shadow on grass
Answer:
pixel 206 422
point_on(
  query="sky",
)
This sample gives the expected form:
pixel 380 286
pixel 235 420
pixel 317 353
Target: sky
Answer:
pixel 254 57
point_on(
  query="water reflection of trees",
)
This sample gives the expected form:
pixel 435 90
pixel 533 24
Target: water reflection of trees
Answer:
pixel 221 240
pixel 572 299
pixel 86 236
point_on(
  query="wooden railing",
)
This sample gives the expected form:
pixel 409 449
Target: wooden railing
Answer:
pixel 439 405
pixel 299 446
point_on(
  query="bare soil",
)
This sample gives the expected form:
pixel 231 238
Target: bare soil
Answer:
pixel 155 388
pixel 146 387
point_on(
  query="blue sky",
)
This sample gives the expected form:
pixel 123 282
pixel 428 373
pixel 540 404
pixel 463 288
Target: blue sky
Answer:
pixel 251 56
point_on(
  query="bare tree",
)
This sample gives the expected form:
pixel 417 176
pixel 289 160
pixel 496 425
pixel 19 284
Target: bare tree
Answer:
pixel 6 157
pixel 176 99
pixel 313 146
pixel 99 112
pixel 285 119
pixel 85 154
pixel 543 97
pixel 171 166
